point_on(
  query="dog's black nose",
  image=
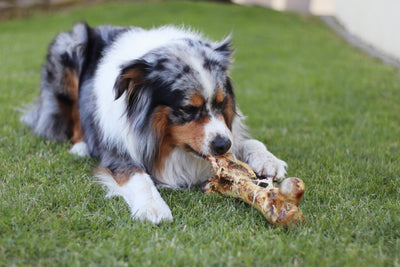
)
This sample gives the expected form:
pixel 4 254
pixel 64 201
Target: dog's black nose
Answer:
pixel 220 145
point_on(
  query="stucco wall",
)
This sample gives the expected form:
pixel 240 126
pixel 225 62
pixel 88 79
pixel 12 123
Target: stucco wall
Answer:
pixel 377 22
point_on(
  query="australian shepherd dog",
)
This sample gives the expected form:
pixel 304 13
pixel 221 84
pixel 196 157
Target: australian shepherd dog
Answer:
pixel 150 105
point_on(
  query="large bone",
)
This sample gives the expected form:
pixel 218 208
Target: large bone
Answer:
pixel 233 178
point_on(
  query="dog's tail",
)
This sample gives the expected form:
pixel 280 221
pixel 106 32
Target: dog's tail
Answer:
pixel 55 114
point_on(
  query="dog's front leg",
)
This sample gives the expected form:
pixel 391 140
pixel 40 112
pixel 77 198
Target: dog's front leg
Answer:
pixel 139 192
pixel 263 162
pixel 255 153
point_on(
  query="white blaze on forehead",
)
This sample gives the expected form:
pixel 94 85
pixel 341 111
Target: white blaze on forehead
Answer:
pixel 204 77
pixel 216 126
pixel 208 83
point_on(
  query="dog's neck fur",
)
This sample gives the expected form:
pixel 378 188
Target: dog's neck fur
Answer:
pixel 183 169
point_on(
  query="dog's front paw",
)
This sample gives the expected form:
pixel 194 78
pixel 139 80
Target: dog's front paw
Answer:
pixel 155 211
pixel 263 162
pixel 267 165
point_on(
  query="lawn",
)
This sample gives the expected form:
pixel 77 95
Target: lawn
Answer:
pixel 330 111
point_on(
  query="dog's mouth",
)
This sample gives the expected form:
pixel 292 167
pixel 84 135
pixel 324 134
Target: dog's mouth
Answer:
pixel 195 152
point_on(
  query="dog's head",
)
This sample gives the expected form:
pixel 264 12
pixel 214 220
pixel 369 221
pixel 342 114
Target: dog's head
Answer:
pixel 183 95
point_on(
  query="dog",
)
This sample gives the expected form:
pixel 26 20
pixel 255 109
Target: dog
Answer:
pixel 150 105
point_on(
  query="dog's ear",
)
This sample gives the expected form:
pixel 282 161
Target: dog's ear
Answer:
pixel 225 47
pixel 131 77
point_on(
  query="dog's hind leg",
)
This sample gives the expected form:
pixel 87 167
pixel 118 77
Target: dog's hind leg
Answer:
pixel 55 114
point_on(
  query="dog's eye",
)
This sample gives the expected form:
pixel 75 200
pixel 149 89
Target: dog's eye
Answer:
pixel 189 109
pixel 220 105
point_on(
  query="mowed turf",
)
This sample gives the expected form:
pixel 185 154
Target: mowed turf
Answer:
pixel 330 111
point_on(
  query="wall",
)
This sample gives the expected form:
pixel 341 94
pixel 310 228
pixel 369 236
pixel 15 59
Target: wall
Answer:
pixel 316 7
pixel 376 22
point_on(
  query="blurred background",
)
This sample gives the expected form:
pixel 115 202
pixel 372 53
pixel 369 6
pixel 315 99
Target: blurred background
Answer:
pixel 368 24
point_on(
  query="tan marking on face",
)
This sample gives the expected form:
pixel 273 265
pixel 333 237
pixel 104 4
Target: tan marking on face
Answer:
pixel 219 97
pixel 190 134
pixel 196 100
pixel 169 136
pixel 229 111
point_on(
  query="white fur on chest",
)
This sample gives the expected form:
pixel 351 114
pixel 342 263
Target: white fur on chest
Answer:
pixel 183 170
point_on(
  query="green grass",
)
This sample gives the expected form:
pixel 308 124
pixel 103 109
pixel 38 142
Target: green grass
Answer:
pixel 330 111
